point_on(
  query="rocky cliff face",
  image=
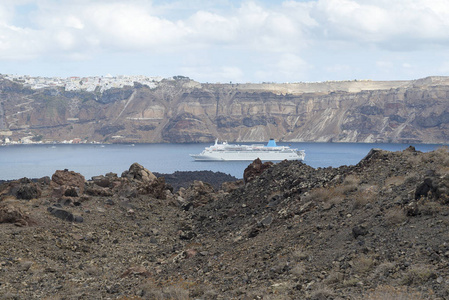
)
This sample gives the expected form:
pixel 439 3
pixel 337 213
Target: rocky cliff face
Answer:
pixel 179 111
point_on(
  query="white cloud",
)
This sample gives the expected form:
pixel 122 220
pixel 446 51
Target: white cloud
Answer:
pixel 399 24
pixel 211 74
pixel 271 38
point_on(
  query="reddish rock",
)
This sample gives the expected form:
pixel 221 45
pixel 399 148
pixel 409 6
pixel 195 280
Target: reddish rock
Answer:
pixel 12 214
pixel 255 169
pixel 69 179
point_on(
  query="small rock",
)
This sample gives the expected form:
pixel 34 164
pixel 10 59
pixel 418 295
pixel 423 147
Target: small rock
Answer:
pixel 109 202
pixel 63 214
pixel 358 231
pixel 267 221
pixel 188 235
pixel 25 265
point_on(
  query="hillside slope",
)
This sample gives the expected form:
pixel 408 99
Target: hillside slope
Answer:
pixel 376 230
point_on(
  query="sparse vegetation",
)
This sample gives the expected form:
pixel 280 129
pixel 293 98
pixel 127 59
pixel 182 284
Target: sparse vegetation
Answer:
pixel 418 274
pixel 395 215
pixel 363 264
pixel 387 292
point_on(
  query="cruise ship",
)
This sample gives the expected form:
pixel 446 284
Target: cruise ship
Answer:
pixel 268 152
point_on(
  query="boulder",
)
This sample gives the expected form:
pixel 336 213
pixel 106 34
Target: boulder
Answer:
pixel 64 215
pixel 158 188
pixel 22 189
pixel 105 181
pixel 139 173
pixel 230 186
pixel 11 214
pixel 199 193
pixel 255 169
pixel 434 186
pixel 95 190
pixel 27 190
pixel 69 179
pixel 101 180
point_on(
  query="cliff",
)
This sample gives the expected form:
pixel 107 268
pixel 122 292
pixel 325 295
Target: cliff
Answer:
pixel 183 110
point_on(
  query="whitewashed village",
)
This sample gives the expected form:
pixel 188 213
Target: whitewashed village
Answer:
pixel 74 83
pixel 88 84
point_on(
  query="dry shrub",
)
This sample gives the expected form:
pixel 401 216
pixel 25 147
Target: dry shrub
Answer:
pixel 330 195
pixel 395 215
pixel 418 274
pixel 415 160
pixel 384 269
pixel 281 288
pixel 411 178
pixel 386 292
pixel 351 282
pixel 365 194
pixel 336 194
pixel 321 292
pixel 363 264
pixel 176 289
pixel 351 183
pixel 334 278
pixel 298 270
pixel 394 181
pixel 440 155
pixel 300 254
pixel 429 208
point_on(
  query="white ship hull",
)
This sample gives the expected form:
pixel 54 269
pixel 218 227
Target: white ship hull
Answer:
pixel 226 152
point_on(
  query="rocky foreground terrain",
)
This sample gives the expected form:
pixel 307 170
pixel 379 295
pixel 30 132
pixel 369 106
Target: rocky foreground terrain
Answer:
pixel 376 230
pixel 180 110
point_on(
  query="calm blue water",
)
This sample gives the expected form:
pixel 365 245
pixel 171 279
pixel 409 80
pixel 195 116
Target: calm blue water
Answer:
pixel 35 161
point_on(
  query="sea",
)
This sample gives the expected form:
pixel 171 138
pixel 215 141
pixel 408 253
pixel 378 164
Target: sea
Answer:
pixel 39 160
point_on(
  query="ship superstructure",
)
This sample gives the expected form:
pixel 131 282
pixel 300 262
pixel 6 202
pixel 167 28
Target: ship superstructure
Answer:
pixel 230 152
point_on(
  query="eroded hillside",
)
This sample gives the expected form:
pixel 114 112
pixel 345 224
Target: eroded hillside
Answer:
pixel 183 110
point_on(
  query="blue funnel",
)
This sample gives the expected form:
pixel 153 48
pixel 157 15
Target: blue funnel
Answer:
pixel 271 143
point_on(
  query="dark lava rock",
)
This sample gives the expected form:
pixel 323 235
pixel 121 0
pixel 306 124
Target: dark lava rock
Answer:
pixel 184 179
pixel 28 191
pixel 21 189
pixel 72 192
pixel 255 169
pixel 64 215
pixel 358 231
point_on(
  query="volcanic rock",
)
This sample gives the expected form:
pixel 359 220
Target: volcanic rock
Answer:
pixel 64 215
pixel 139 173
pixel 25 189
pixel 293 232
pixel 68 180
pixel 12 214
pixel 199 193
pixel 255 169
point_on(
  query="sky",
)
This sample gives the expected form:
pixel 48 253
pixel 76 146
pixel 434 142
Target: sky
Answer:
pixel 227 40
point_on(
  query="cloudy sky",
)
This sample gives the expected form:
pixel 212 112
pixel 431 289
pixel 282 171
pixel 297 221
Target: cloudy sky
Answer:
pixel 226 40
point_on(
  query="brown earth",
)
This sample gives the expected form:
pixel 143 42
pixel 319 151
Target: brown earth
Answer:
pixel 376 230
